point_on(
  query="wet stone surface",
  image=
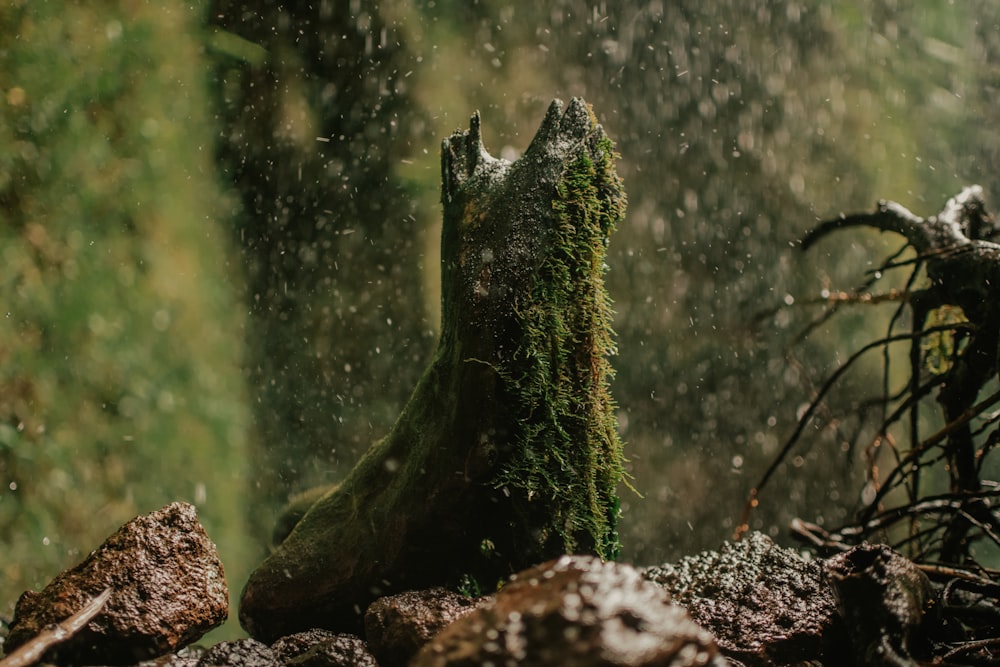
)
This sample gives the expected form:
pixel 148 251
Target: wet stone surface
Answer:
pixel 168 589
pixel 311 648
pixel 186 657
pixel 885 601
pixel 766 605
pixel 574 611
pixel 397 626
pixel 322 648
pixel 239 653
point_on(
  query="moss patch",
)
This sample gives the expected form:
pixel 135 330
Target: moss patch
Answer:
pixel 569 457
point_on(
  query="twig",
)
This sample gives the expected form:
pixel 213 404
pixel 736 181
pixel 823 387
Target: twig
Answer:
pixel 968 647
pixel 888 217
pixel 949 573
pixel 31 652
pixel 818 536
pixel 836 303
pixel 807 416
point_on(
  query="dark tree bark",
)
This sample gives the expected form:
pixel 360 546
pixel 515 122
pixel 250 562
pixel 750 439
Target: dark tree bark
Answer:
pixel 507 452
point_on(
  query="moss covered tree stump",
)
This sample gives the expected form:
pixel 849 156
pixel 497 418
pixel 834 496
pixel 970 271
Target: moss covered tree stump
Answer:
pixel 507 452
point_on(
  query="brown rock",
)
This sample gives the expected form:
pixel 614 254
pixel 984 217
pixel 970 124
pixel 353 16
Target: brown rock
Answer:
pixel 765 605
pixel 186 657
pixel 288 647
pixel 239 653
pixel 575 611
pixel 397 626
pixel 322 648
pixel 887 603
pixel 168 589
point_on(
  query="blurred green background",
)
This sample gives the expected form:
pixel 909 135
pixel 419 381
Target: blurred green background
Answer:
pixel 219 239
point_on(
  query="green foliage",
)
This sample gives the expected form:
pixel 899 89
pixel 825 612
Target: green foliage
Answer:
pixel 470 587
pixel 570 457
pixel 940 348
pixel 120 351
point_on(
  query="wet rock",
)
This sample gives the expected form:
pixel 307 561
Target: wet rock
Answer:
pixel 397 626
pixel 575 612
pixel 291 646
pixel 888 605
pixel 168 589
pixel 765 605
pixel 186 657
pixel 322 648
pixel 239 653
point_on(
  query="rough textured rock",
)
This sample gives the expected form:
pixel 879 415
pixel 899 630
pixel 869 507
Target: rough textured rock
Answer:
pixel 886 603
pixel 322 648
pixel 291 646
pixel 397 626
pixel 168 587
pixel 765 605
pixel 239 653
pixel 575 611
pixel 186 657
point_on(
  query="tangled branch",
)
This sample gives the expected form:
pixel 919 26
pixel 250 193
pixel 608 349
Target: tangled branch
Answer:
pixel 952 345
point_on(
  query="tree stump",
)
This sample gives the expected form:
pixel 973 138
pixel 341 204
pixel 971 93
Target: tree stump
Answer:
pixel 506 453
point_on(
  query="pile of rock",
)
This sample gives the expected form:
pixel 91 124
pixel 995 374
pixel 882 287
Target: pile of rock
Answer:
pixel 750 603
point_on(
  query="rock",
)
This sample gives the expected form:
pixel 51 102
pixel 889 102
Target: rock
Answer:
pixel 575 611
pixel 312 648
pixel 888 605
pixel 168 589
pixel 397 626
pixel 322 648
pixel 186 657
pixel 239 653
pixel 765 605
pixel 291 646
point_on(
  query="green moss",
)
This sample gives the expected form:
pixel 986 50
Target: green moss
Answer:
pixel 568 459
pixel 941 348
